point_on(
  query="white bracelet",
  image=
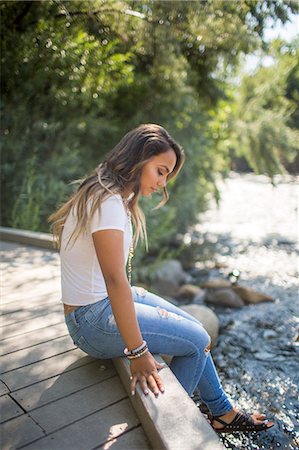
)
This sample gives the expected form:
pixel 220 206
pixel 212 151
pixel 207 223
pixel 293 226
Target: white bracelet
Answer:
pixel 136 350
pixel 138 355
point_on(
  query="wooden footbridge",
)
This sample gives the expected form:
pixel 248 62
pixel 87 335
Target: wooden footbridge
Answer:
pixel 55 397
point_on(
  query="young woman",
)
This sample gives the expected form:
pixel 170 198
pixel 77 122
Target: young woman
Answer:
pixel 105 316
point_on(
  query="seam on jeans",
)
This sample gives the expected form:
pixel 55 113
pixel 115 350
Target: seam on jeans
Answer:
pixel 210 384
pixel 204 354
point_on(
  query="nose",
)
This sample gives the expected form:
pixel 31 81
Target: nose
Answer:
pixel 162 183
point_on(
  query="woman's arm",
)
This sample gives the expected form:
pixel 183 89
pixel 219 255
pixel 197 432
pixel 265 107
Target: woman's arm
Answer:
pixel 109 248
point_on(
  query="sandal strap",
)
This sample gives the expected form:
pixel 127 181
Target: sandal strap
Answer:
pixel 220 421
pixel 241 421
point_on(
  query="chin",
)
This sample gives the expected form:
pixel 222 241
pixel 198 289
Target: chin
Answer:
pixel 146 193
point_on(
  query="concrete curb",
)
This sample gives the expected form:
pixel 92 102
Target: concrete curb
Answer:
pixel 171 421
pixel 33 238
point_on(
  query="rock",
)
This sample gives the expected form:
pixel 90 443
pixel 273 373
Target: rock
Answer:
pixel 165 288
pixel 199 299
pixel 168 276
pixel 220 265
pixel 248 295
pixel 216 283
pixel 171 270
pixel 269 334
pixel 224 297
pixel 264 356
pixel 207 317
pixel 189 291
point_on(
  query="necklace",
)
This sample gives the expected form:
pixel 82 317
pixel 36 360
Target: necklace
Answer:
pixel 131 254
pixel 131 251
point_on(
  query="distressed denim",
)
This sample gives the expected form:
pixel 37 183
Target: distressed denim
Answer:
pixel 167 330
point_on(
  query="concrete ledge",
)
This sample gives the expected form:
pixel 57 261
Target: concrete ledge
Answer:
pixel 36 239
pixel 172 421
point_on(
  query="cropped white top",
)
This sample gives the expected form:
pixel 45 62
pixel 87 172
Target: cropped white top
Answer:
pixel 82 281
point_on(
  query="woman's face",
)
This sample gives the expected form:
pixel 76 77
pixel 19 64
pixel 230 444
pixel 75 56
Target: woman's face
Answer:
pixel 154 173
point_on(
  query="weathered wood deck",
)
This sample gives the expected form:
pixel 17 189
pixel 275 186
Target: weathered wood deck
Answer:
pixel 53 396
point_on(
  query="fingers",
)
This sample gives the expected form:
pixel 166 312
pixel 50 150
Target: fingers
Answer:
pixel 133 384
pixel 152 381
pixel 159 383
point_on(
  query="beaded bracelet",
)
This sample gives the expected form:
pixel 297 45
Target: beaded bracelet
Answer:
pixel 143 350
pixel 138 355
pixel 128 352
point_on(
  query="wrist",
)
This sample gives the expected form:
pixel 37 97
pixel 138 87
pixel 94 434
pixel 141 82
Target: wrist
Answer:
pixel 136 350
pixel 138 356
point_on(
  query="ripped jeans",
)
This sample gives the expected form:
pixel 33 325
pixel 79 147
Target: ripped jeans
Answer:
pixel 167 329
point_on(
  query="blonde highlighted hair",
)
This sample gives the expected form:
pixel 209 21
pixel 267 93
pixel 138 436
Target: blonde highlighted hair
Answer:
pixel 119 173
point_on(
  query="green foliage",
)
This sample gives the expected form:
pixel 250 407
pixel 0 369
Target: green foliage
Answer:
pixel 266 115
pixel 77 75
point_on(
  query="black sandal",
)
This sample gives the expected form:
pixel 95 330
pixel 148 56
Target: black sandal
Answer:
pixel 242 422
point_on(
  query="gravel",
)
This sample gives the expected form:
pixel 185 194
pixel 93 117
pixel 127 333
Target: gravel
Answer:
pixel 255 230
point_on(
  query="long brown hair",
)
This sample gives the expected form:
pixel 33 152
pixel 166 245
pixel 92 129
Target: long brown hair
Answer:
pixel 119 173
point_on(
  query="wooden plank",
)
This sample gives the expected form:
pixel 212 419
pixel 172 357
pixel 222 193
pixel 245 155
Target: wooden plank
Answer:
pixel 65 384
pixel 29 313
pixel 19 431
pixel 165 424
pixel 3 388
pixel 34 354
pixel 15 301
pixel 133 440
pixel 78 405
pixel 25 376
pixel 9 408
pixel 32 338
pixel 41 301
pixel 92 431
pixel 38 323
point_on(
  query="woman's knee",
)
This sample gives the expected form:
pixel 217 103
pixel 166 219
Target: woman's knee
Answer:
pixel 203 340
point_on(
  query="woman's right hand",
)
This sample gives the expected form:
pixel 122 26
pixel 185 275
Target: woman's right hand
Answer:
pixel 145 371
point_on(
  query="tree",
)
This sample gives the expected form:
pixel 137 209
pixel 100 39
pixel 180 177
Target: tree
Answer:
pixel 77 75
pixel 265 123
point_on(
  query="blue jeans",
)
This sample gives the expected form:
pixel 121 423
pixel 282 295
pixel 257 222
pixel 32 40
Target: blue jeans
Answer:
pixel 167 330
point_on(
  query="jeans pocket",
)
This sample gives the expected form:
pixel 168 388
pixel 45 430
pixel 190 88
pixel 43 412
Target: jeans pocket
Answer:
pixel 100 316
pixel 84 345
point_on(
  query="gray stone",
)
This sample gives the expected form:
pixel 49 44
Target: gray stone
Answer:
pixel 223 297
pixel 269 334
pixel 190 292
pixel 199 299
pixel 171 270
pixel 207 317
pixel 168 276
pixel 264 356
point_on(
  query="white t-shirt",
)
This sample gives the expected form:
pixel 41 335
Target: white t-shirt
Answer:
pixel 82 281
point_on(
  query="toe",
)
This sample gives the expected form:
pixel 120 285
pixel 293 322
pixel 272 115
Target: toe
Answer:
pixel 257 417
pixel 261 418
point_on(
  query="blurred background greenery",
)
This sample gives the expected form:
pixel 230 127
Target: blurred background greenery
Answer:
pixel 77 75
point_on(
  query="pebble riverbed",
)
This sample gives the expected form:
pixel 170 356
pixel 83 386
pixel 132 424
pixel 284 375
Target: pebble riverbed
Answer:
pixel 255 230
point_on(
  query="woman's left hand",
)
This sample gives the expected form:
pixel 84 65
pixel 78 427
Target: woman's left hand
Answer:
pixel 145 371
